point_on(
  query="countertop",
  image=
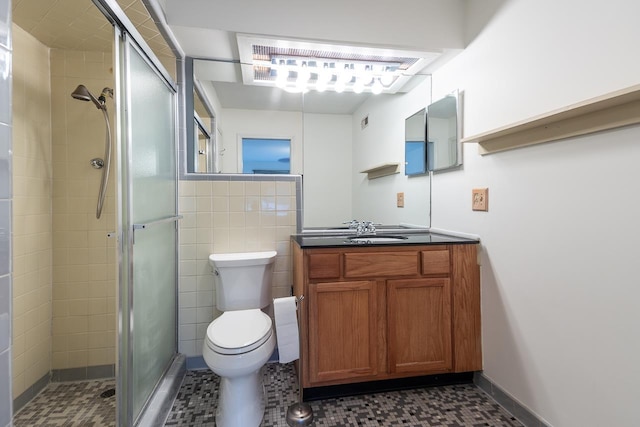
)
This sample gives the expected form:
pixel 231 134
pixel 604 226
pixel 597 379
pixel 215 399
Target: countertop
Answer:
pixel 331 240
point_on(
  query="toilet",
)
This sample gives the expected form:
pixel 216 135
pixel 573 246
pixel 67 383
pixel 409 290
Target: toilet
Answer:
pixel 241 340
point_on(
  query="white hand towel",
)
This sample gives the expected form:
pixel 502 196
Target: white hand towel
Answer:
pixel 287 329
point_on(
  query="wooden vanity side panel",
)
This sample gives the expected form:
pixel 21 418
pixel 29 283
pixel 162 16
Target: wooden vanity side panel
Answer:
pixel 381 264
pixel 299 288
pixel 467 334
pixel 297 265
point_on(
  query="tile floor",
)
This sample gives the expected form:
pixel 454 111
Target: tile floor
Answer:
pixel 70 404
pixel 80 404
pixel 459 405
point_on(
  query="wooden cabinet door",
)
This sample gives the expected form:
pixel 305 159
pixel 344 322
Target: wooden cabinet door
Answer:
pixel 419 321
pixel 343 330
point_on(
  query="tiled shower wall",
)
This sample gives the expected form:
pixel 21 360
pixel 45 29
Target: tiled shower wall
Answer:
pixel 32 238
pixel 5 213
pixel 64 265
pixel 84 269
pixel 229 216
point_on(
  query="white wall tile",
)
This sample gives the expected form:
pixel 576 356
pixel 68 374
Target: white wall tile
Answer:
pixel 238 216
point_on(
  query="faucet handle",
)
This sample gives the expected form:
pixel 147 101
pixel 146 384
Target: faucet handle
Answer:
pixel 369 227
pixel 352 224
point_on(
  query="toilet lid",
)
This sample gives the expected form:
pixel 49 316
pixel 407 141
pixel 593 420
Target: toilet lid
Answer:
pixel 240 331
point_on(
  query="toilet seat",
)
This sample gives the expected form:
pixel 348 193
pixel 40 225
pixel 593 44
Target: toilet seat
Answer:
pixel 239 331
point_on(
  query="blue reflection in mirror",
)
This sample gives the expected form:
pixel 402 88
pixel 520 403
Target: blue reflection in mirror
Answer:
pixel 265 155
pixel 414 158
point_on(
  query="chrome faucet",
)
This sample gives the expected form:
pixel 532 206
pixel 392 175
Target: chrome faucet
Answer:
pixel 365 227
pixel 361 227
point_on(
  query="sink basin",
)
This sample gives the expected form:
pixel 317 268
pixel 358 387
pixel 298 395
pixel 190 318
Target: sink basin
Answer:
pixel 376 239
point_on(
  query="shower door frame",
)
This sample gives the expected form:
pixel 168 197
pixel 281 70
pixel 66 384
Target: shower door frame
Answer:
pixel 127 405
pixel 126 37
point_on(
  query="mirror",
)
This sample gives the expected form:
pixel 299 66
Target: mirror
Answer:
pixel 242 112
pixel 415 155
pixel 203 153
pixel 444 126
pixel 329 146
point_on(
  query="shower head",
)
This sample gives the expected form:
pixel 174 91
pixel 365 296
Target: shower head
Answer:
pixel 83 94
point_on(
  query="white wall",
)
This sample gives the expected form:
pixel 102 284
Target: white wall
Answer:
pixel 327 170
pixel 382 141
pixel 414 24
pixel 235 124
pixel 559 278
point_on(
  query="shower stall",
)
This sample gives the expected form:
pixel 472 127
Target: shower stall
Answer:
pixel 111 238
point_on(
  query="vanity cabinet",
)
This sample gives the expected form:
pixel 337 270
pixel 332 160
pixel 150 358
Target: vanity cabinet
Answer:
pixel 343 330
pixel 419 325
pixel 384 312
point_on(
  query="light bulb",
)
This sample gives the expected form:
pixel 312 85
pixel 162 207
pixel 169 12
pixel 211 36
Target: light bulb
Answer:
pixel 321 86
pixel 367 76
pixel 281 77
pixel 339 87
pixel 303 74
pixel 358 86
pixel 346 74
pixel 324 74
pixel 377 87
pixel 282 74
pixel 386 79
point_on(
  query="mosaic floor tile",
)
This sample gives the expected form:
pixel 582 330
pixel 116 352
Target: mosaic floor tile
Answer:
pixel 80 404
pixel 450 406
pixel 70 404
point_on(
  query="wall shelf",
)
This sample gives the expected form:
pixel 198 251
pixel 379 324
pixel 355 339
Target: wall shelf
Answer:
pixel 382 170
pixel 613 110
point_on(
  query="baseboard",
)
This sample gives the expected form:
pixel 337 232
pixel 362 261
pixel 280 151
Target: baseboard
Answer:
pixel 511 405
pixel 196 363
pixel 31 392
pixel 84 373
pixel 334 391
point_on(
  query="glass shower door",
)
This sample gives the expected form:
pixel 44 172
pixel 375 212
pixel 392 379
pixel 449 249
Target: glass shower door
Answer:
pixel 148 218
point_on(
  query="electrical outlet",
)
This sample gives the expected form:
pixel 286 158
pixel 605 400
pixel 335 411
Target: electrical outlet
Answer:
pixel 480 199
pixel 400 200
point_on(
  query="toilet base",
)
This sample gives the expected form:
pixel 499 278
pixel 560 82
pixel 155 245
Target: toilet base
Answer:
pixel 241 401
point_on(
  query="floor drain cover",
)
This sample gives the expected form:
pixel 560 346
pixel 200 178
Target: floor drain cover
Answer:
pixel 108 393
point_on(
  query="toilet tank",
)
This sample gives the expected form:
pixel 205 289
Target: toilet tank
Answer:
pixel 242 280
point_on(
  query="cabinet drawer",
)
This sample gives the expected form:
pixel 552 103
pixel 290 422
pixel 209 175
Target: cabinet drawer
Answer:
pixel 380 264
pixel 436 261
pixel 324 266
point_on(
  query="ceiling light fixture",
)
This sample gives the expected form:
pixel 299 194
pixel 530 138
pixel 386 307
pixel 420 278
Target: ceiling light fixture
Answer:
pixel 336 75
pixel 297 65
